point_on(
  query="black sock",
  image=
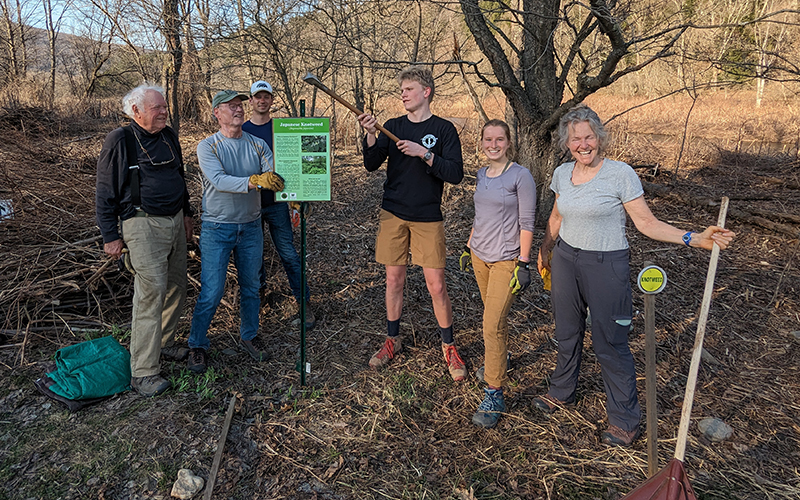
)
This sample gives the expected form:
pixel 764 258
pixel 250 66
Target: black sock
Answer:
pixel 393 327
pixel 447 334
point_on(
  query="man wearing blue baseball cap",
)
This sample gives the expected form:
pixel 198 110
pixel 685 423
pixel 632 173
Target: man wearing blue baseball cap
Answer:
pixel 276 214
pixel 235 166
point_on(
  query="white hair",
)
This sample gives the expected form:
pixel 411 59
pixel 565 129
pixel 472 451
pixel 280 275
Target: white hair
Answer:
pixel 136 96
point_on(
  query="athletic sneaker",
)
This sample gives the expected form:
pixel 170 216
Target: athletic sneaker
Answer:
pixel 454 362
pixel 390 349
pixel 490 409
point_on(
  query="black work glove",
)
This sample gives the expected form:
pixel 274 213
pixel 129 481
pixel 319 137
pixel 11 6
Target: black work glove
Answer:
pixel 521 279
pixel 465 261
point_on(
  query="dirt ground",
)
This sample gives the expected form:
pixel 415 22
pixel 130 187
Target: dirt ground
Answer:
pixel 404 432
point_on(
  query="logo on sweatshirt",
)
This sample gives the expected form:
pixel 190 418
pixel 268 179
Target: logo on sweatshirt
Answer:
pixel 429 141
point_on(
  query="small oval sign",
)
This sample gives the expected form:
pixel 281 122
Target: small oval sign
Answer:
pixel 652 279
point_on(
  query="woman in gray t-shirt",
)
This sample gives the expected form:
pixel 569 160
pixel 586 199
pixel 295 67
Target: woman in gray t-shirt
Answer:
pixel 499 248
pixel 589 265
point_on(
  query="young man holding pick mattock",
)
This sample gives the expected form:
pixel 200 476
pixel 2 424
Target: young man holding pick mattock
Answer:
pixel 427 156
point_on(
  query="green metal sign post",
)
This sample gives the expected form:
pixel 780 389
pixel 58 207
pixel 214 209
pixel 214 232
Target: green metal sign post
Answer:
pixel 302 155
pixel 303 209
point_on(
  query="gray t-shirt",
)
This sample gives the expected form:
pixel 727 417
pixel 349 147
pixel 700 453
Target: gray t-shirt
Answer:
pixel 593 215
pixel 227 165
pixel 504 205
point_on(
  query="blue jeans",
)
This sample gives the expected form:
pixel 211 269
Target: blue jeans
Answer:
pixel 280 230
pixel 217 241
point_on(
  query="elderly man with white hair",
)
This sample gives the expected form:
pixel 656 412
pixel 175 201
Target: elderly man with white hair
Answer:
pixel 142 203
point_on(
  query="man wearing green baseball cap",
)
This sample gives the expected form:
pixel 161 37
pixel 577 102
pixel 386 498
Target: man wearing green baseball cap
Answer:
pixel 235 166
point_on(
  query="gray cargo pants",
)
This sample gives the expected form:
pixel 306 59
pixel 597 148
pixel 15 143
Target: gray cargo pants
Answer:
pixel 601 282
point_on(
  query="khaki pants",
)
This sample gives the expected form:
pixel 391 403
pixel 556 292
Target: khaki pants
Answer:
pixel 493 279
pixel 157 247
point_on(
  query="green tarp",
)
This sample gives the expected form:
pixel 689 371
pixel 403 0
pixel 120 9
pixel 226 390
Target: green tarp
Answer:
pixel 93 369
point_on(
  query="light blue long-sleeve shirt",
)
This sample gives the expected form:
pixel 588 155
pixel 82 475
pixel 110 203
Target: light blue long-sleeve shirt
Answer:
pixel 227 165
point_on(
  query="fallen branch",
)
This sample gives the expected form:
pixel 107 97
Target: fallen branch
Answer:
pixel 212 476
pixel 781 182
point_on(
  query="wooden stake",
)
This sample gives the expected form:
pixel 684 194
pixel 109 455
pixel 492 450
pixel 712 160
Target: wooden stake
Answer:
pixel 650 379
pixel 212 476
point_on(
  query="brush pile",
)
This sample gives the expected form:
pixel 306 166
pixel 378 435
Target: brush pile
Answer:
pixel 55 277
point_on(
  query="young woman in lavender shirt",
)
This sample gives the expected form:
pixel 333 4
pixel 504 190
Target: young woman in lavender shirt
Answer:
pixel 499 249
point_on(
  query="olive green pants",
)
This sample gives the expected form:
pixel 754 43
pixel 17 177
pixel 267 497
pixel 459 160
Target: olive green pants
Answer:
pixel 493 279
pixel 157 247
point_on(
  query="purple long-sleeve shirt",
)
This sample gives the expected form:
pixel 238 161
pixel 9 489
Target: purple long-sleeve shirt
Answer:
pixel 504 205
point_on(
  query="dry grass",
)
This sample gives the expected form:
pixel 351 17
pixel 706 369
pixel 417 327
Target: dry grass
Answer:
pixel 405 432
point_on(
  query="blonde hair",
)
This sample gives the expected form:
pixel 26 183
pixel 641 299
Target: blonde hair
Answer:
pixel 419 74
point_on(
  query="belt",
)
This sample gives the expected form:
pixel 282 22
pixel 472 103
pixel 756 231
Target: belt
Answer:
pixel 142 213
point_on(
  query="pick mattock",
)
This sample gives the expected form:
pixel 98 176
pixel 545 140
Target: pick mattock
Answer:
pixel 671 483
pixel 313 80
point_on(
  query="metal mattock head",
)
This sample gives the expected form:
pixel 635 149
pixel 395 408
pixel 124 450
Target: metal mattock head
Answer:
pixel 313 80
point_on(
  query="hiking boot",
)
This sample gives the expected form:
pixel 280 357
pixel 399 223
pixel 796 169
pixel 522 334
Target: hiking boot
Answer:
pixel 390 349
pixel 198 360
pixel 490 409
pixel 175 353
pixel 254 352
pixel 150 386
pixel 454 362
pixel 614 436
pixel 547 403
pixel 311 321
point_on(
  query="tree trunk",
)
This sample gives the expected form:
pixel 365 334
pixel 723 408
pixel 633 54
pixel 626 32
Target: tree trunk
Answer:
pixel 23 68
pixel 51 45
pixel 172 35
pixel 243 41
pixel 11 40
pixel 534 96
pixel 476 102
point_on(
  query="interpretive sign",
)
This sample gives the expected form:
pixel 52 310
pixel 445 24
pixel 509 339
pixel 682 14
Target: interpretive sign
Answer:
pixel 302 150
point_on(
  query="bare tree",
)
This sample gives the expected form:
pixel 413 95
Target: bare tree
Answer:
pixel 11 38
pixel 52 20
pixel 566 53
pixel 121 13
pixel 171 29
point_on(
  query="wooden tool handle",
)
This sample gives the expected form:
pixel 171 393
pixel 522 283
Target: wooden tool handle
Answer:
pixel 691 381
pixel 357 112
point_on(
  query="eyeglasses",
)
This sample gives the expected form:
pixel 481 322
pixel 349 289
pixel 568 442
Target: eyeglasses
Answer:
pixel 233 106
pixel 155 163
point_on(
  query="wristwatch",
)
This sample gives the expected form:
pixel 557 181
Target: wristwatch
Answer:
pixel 687 238
pixel 428 155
